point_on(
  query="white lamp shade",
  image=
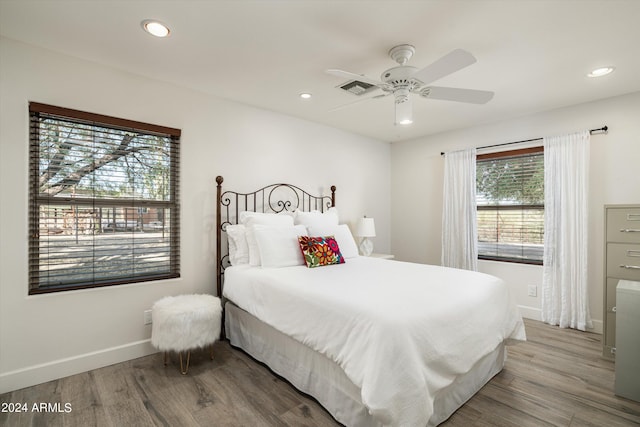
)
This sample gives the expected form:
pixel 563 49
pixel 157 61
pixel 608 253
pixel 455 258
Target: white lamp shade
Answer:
pixel 366 228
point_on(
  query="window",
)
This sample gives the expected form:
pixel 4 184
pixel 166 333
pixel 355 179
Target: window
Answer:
pixel 510 199
pixel 104 200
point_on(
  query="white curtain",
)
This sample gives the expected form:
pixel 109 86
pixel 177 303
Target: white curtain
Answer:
pixel 459 227
pixel 565 301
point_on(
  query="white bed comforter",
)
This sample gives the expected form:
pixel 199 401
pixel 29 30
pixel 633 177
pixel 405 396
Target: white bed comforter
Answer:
pixel 401 331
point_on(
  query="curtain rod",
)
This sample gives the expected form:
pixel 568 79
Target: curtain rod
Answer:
pixel 603 129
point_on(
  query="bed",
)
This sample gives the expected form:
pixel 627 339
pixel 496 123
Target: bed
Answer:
pixel 376 342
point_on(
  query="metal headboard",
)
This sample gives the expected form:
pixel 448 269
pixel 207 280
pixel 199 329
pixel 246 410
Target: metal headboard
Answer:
pixel 272 198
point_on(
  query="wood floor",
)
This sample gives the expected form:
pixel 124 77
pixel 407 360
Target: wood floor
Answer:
pixel 556 378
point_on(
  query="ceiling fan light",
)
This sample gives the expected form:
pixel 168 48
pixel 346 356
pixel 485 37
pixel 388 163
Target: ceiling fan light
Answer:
pixel 404 111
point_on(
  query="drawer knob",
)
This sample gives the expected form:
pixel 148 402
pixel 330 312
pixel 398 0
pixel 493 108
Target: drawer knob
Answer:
pixel 630 267
pixel 630 230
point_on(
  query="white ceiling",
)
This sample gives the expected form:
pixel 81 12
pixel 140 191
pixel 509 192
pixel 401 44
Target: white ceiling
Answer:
pixel 533 54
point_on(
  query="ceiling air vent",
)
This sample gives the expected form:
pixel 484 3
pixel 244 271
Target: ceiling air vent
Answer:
pixel 357 87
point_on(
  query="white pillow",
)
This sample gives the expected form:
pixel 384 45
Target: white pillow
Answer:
pixel 279 244
pixel 346 242
pixel 238 246
pixel 266 216
pixel 317 218
pixel 250 219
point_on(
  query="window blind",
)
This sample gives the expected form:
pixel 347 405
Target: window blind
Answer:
pixel 510 200
pixel 104 200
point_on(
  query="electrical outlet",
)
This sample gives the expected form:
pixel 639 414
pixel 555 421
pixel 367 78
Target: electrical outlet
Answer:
pixel 147 317
pixel 532 291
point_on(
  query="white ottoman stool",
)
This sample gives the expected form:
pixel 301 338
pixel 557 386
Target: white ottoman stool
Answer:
pixel 185 322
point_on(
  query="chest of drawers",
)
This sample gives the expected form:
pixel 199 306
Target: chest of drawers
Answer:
pixel 621 262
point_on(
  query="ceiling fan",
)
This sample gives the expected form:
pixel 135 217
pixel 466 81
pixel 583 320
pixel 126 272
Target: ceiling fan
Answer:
pixel 405 79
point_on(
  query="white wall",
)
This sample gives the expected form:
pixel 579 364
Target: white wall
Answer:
pixel 49 336
pixel 417 179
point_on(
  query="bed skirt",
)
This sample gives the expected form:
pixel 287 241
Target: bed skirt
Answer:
pixel 316 375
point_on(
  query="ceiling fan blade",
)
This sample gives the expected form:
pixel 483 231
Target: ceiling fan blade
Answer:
pixel 450 63
pixel 459 95
pixel 340 107
pixel 351 76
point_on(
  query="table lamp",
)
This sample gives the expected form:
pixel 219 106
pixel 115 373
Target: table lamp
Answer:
pixel 366 228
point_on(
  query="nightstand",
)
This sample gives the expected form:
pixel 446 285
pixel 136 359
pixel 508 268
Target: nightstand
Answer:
pixel 383 256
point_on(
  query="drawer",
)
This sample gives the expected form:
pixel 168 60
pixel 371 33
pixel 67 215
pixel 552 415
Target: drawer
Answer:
pixel 623 261
pixel 623 225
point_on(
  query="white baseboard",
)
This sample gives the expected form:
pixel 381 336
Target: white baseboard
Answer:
pixel 38 374
pixel 535 313
pixel 597 326
pixel 532 313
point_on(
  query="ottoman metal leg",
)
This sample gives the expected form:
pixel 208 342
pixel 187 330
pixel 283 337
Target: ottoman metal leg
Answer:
pixel 184 370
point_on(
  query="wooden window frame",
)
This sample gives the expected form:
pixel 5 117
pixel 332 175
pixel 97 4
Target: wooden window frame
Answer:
pixel 521 207
pixel 169 207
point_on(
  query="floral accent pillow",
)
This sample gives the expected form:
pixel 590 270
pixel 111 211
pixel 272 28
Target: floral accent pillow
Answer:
pixel 319 251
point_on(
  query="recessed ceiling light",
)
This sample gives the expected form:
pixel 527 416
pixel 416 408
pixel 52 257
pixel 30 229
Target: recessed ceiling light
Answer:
pixel 305 95
pixel 602 71
pixel 155 28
